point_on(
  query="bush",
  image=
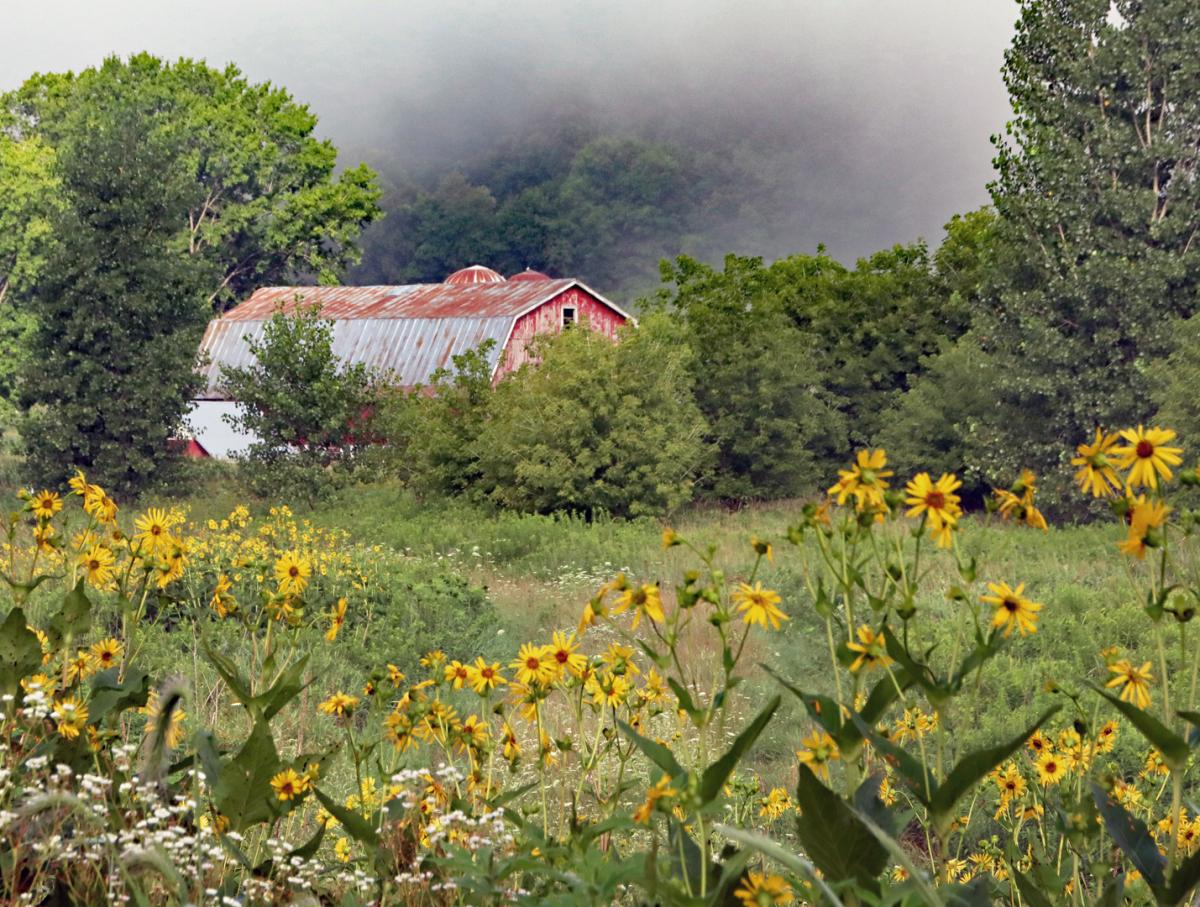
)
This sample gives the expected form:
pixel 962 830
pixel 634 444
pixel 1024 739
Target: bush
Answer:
pixel 595 426
pixel 310 413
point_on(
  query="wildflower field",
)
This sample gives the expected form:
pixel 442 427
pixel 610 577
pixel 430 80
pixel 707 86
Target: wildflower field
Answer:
pixel 868 698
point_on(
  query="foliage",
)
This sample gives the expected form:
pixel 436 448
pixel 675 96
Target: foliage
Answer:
pixel 1097 206
pixel 595 426
pixel 118 314
pixel 310 413
pixel 755 378
pixel 434 429
pixel 1175 380
pixel 267 207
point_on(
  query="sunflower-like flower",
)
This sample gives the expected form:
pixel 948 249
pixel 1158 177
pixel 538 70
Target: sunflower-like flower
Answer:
pixel 937 502
pixel 865 481
pixel 870 648
pixel 643 600
pixel 289 785
pixel 534 665
pixel 760 890
pixel 484 677
pixel 337 618
pixel 1096 474
pixel 816 751
pixel 45 504
pixel 1145 519
pixel 1147 456
pixel 1134 682
pixel 339 705
pixel 292 571
pixel 758 605
pixel 1013 611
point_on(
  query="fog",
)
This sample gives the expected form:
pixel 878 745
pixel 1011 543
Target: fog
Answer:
pixel 878 111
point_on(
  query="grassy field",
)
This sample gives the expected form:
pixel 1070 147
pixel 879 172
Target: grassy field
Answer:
pixel 538 573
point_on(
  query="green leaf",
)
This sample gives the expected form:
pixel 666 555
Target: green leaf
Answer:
pixel 916 875
pixel 1132 837
pixel 1030 893
pixel 73 619
pixel 110 694
pixel 920 674
pixel 911 770
pixel 834 837
pixel 972 768
pixel 229 673
pixel 684 697
pixel 1173 748
pixel 20 651
pixel 690 864
pixel 718 773
pixel 356 826
pixel 288 685
pixel 1113 894
pixel 243 793
pixel 655 752
pixel 793 861
pixel 1183 880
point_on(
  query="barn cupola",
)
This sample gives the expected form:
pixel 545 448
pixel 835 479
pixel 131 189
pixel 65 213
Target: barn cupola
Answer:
pixel 528 275
pixel 473 275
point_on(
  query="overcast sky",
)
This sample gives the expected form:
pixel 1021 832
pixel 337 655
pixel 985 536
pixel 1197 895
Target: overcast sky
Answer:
pixel 888 103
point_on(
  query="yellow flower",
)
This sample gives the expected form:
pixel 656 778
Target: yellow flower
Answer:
pixel 775 804
pixel 456 674
pixel 757 605
pixel 107 653
pixel 339 704
pixel 1096 474
pixel 292 572
pixel 343 850
pixel 818 749
pixel 1038 743
pixel 336 619
pixel 762 548
pixel 864 481
pixel 1050 769
pixel 508 738
pixel 222 602
pixel 154 532
pixel 1134 682
pixel 871 649
pixel 1106 736
pixel 562 652
pixel 97 566
pixel 1147 456
pixel 937 502
pixel 71 715
pixel 81 667
pixel 670 538
pixel 153 711
pixel 759 890
pixel 1013 610
pixel 608 689
pixel 1144 518
pixel 534 665
pixel 484 677
pixel 662 789
pixel 289 785
pixel 644 600
pixel 45 504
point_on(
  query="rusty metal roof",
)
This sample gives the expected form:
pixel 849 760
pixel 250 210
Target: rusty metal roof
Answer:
pixel 421 300
pixel 407 331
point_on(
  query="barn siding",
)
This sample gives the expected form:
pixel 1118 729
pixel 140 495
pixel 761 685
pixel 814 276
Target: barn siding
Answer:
pixel 547 319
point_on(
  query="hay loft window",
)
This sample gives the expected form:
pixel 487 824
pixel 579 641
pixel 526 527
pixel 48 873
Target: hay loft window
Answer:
pixel 568 316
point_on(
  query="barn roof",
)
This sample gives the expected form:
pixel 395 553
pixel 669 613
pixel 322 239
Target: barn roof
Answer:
pixel 409 331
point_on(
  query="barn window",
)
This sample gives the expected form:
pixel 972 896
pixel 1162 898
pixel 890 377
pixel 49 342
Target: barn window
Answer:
pixel 568 316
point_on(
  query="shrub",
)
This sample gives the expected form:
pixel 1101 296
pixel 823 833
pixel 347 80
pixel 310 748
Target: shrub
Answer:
pixel 310 413
pixel 595 426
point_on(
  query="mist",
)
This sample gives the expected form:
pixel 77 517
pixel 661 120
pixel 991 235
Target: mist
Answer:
pixel 874 116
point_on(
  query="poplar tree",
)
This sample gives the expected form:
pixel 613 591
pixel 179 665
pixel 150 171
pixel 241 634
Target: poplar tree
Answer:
pixel 1098 196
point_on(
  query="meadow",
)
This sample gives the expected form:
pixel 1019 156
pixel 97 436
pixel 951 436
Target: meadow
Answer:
pixel 868 696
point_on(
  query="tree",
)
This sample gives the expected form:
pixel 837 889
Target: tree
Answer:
pixel 310 413
pixel 118 312
pixel 757 381
pixel 268 207
pixel 1099 218
pixel 595 426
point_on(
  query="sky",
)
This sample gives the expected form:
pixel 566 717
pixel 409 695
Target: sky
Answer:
pixel 881 109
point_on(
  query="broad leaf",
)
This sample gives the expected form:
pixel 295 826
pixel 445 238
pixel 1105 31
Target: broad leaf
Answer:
pixel 243 793
pixel 718 773
pixel 793 861
pixel 73 619
pixel 1131 836
pixel 356 826
pixel 655 752
pixel 286 687
pixel 110 694
pixel 1174 749
pixel 1030 893
pixel 920 781
pixel 972 768
pixel 834 837
pixel 20 651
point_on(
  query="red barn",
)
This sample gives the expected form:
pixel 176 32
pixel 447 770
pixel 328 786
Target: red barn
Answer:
pixel 407 331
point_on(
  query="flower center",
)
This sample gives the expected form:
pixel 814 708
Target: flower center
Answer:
pixel 1011 605
pixel 293 571
pixel 935 500
pixel 532 664
pixel 1145 450
pixel 561 656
